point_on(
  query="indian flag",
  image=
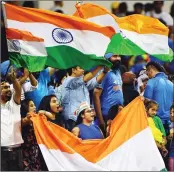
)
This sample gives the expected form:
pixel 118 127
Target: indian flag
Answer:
pixel 69 41
pixel 135 34
pixel 26 50
pixel 130 146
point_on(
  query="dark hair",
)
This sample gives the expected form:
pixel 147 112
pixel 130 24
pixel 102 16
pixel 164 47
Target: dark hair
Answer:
pixel 59 75
pixel 151 103
pixel 172 10
pixel 138 5
pixel 45 103
pixel 70 70
pixel 156 65
pixel 122 7
pixel 79 118
pixel 172 107
pixel 25 107
pixel 113 111
pixel 157 2
pixel 148 7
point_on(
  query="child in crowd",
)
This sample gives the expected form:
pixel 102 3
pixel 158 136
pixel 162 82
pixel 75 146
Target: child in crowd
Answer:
pixel 156 126
pixel 171 138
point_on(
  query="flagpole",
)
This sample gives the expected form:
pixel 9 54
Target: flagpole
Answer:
pixel 4 14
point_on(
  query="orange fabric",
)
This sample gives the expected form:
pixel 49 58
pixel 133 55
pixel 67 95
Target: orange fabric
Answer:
pixel 21 35
pixel 129 122
pixel 136 23
pixel 60 20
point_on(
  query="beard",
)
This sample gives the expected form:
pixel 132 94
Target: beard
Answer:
pixel 116 65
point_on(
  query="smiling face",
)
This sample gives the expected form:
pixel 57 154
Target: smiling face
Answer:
pixel 54 105
pixel 32 107
pixel 6 93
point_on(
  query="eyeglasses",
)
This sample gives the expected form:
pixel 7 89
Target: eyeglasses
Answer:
pixel 89 111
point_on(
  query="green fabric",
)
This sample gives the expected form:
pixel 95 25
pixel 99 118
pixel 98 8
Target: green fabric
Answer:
pixel 159 125
pixel 64 57
pixel 32 63
pixel 123 46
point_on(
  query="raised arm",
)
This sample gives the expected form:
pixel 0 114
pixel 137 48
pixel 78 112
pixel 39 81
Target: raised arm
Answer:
pixel 92 74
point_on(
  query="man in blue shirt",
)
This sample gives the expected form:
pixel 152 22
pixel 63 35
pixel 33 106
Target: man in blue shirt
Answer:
pixel 160 89
pixel 75 90
pixel 110 91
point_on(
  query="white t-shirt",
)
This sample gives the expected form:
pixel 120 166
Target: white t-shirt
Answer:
pixel 163 15
pixel 11 124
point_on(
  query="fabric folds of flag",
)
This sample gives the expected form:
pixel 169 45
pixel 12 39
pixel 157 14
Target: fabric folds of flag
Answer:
pixel 26 50
pixel 129 147
pixel 138 34
pixel 69 41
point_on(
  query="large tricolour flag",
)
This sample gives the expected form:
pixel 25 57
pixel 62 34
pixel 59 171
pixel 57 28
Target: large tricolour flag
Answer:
pixel 26 50
pixel 135 34
pixel 130 146
pixel 69 41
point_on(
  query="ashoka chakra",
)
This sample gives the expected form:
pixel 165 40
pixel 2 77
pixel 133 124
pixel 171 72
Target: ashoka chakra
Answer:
pixel 62 36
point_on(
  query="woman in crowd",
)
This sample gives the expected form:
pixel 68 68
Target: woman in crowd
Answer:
pixel 85 128
pixel 32 156
pixel 50 107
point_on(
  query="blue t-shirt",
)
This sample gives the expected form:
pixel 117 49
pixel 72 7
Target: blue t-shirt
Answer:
pixel 112 91
pixel 42 89
pixel 137 68
pixel 89 132
pixel 161 90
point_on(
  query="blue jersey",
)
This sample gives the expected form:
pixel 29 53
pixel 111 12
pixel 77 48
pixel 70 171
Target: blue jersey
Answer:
pixel 112 91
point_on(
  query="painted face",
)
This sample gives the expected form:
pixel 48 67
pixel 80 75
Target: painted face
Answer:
pixel 88 115
pixel 54 104
pixel 152 111
pixel 172 115
pixel 6 92
pixel 79 71
pixel 32 107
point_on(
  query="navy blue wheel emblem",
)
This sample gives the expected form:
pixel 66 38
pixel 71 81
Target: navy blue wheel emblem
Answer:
pixel 62 36
pixel 16 45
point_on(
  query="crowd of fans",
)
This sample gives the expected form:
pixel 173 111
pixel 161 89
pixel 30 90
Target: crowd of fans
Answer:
pixel 86 102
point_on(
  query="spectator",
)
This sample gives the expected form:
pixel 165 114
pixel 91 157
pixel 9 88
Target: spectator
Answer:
pixel 148 8
pixel 110 91
pixel 114 8
pixel 58 5
pixel 50 107
pixel 85 129
pixel 160 139
pixel 122 9
pixel 43 79
pixel 171 149
pixel 138 8
pixel 11 137
pixel 159 14
pixel 75 91
pixel 31 152
pixel 160 89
